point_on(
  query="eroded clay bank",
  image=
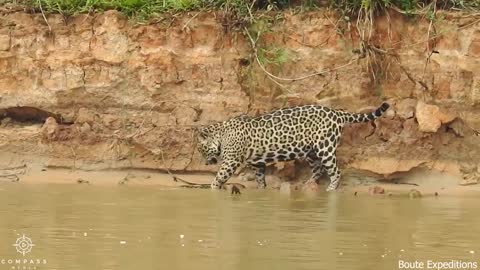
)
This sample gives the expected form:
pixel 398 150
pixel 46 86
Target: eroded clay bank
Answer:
pixel 123 95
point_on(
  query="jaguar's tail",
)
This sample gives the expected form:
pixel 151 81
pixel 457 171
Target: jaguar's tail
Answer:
pixel 365 117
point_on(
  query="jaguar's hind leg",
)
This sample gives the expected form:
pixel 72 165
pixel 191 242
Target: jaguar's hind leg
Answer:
pixel 260 174
pixel 330 164
pixel 316 165
pixel 317 168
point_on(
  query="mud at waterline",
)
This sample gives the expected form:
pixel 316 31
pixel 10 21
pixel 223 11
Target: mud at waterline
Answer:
pixel 425 182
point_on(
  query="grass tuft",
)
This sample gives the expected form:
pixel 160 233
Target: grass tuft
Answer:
pixel 149 8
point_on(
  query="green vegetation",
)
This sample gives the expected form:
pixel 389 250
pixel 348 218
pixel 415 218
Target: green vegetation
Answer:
pixel 409 6
pixel 241 8
pixel 147 8
pixel 273 55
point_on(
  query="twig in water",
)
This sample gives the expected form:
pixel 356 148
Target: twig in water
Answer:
pixel 13 177
pixel 191 184
pixel 178 179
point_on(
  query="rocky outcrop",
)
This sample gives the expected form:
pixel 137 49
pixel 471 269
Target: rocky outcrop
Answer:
pixel 430 118
pixel 134 92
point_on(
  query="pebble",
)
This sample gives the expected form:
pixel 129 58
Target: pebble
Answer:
pixel 414 194
pixel 376 190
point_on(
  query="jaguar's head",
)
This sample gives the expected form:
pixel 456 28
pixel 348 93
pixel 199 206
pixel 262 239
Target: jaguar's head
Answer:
pixel 209 143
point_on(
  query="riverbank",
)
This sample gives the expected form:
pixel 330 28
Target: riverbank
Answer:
pixel 127 96
pixel 426 183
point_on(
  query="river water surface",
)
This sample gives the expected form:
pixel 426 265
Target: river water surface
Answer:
pixel 91 227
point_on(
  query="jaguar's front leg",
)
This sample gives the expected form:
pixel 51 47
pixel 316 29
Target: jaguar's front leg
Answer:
pixel 228 167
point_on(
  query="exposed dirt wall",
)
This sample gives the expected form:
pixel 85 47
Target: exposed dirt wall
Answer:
pixel 133 92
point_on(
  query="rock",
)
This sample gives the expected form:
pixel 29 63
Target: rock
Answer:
pixel 376 190
pixel 49 127
pixel 68 117
pixel 413 193
pixel 427 121
pixel 446 117
pixel 82 181
pixel 458 127
pixel 471 174
pixel 406 108
pixel 311 186
pixel 5 121
pixel 442 89
pixel 4 42
pixel 85 128
pixel 111 121
pixel 430 117
pixel 410 133
pixel 390 114
pixel 387 166
pixel 85 116
pixel 388 129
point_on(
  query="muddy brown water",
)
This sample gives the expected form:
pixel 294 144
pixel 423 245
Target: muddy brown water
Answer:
pixel 92 227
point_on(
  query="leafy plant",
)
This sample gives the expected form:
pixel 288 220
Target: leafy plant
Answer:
pixel 273 55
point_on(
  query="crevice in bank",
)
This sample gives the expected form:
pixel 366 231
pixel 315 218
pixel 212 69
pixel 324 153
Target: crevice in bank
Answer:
pixel 28 114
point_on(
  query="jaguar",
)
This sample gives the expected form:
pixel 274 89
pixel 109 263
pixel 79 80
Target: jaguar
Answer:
pixel 309 132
